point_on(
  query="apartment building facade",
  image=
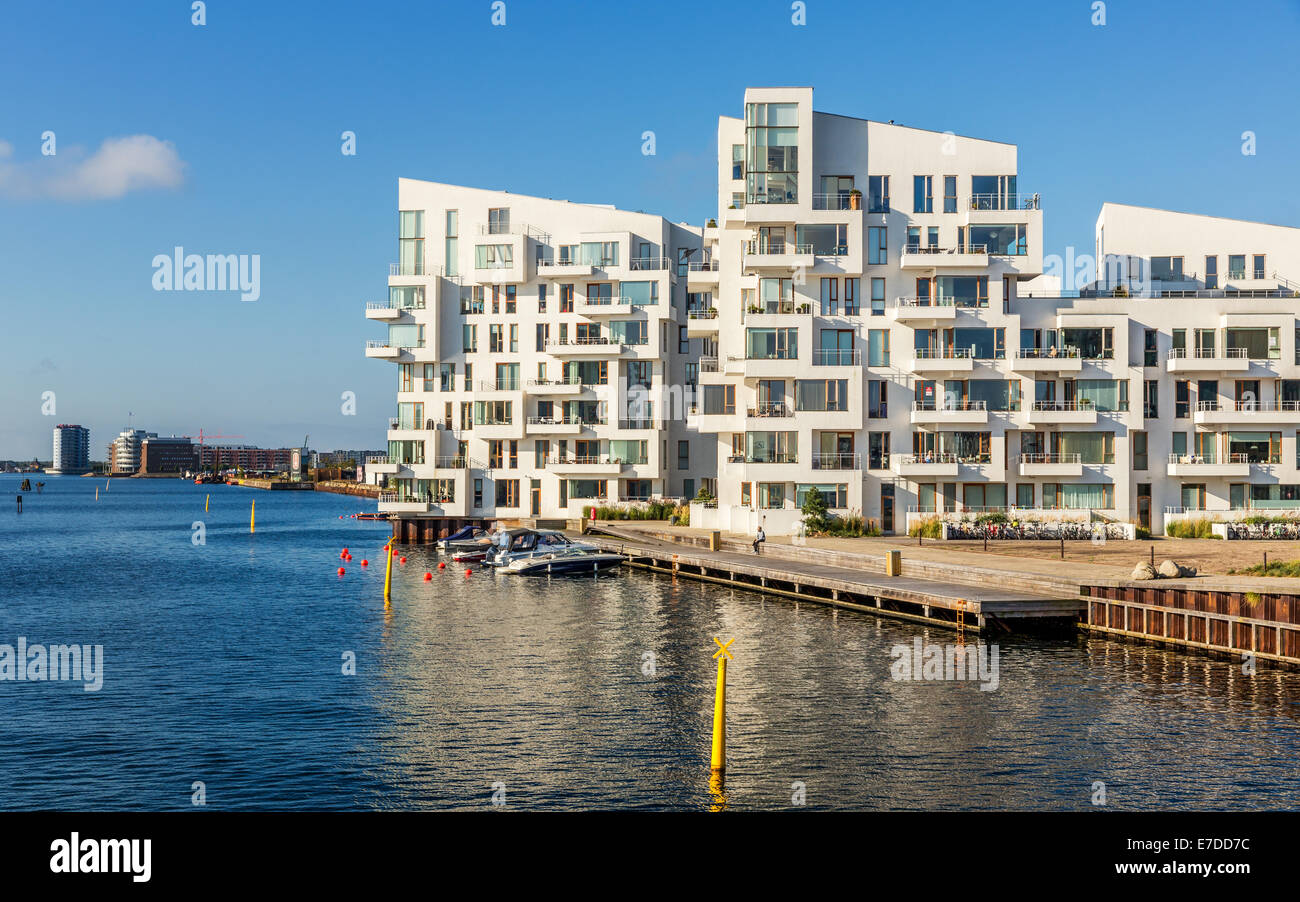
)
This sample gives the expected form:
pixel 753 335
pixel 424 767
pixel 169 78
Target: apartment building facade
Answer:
pixel 867 315
pixel 1210 308
pixel 861 341
pixel 541 354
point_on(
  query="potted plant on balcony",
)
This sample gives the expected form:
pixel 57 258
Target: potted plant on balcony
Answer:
pixel 855 199
pixel 804 308
pixel 711 224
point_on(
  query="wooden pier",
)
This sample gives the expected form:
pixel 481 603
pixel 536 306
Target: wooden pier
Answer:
pixel 948 604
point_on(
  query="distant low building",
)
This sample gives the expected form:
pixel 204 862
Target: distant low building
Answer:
pixel 244 457
pixel 71 450
pixel 167 454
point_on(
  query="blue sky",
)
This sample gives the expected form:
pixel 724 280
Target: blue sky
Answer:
pixel 1147 109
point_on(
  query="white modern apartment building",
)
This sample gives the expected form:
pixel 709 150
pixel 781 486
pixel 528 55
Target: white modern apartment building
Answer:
pixel 863 340
pixel 1209 307
pixel 868 315
pixel 541 350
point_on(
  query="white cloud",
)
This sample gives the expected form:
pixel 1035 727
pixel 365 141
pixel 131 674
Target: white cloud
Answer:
pixel 118 167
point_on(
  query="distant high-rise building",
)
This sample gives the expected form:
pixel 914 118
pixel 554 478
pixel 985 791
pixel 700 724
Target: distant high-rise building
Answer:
pixel 71 449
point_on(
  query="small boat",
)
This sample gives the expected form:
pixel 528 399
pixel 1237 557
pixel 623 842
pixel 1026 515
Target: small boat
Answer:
pixel 383 515
pixel 468 537
pixel 526 543
pixel 579 562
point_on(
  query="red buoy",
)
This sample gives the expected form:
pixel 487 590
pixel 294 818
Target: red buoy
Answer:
pixel 442 565
pixel 365 563
pixel 345 550
pixel 341 571
pixel 428 576
pixel 401 560
pixel 468 571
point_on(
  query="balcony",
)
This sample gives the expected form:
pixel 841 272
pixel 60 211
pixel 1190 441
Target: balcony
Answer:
pixel 583 347
pixel 919 465
pixel 1047 360
pixel 943 360
pixel 413 270
pixel 1207 360
pixel 555 386
pixel 920 257
pixel 777 257
pixel 701 323
pixel 1236 465
pixel 836 357
pixel 924 310
pixel 765 411
pixel 955 412
pixel 1003 201
pixel 398 503
pixel 619 306
pixel 823 460
pixel 564 270
pixel 559 425
pixel 1051 464
pixel 702 276
pixel 387 311
pixel 839 201
pixel 1245 413
pixel 596 466
pixel 382 464
pixel 1062 412
pixel 382 350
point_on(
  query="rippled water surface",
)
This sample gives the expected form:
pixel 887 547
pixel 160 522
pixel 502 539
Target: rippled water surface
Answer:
pixel 223 665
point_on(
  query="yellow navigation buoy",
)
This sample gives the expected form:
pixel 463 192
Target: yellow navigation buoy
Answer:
pixel 718 759
pixel 388 571
pixel 205 503
pixel 252 518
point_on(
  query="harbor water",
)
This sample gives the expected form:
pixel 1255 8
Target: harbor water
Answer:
pixel 226 663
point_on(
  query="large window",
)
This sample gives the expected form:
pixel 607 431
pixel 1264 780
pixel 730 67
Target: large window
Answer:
pixel 1092 447
pixel 1009 240
pixel 411 242
pixel 1078 496
pixel 493 256
pixel 1167 269
pixel 831 240
pixel 877 194
pixel 639 294
pixel 877 245
pixel 771 447
pixel 821 394
pixel 993 192
pixel 772 153
pixel 959 291
pixel 922 194
pixel 1256 344
pixel 601 254
pixel 771 344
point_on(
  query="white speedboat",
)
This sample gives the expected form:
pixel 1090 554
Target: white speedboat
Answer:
pixel 529 543
pixel 578 561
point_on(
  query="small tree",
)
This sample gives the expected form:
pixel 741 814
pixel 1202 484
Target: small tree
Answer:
pixel 816 516
pixel 703 495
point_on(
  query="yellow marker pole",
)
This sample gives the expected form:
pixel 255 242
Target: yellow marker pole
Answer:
pixel 205 503
pixel 718 759
pixel 252 518
pixel 96 493
pixel 388 572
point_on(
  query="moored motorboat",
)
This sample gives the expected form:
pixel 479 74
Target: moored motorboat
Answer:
pixel 579 561
pixel 466 538
pixel 526 543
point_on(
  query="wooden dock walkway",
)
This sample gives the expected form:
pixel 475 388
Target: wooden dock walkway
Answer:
pixel 960 606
